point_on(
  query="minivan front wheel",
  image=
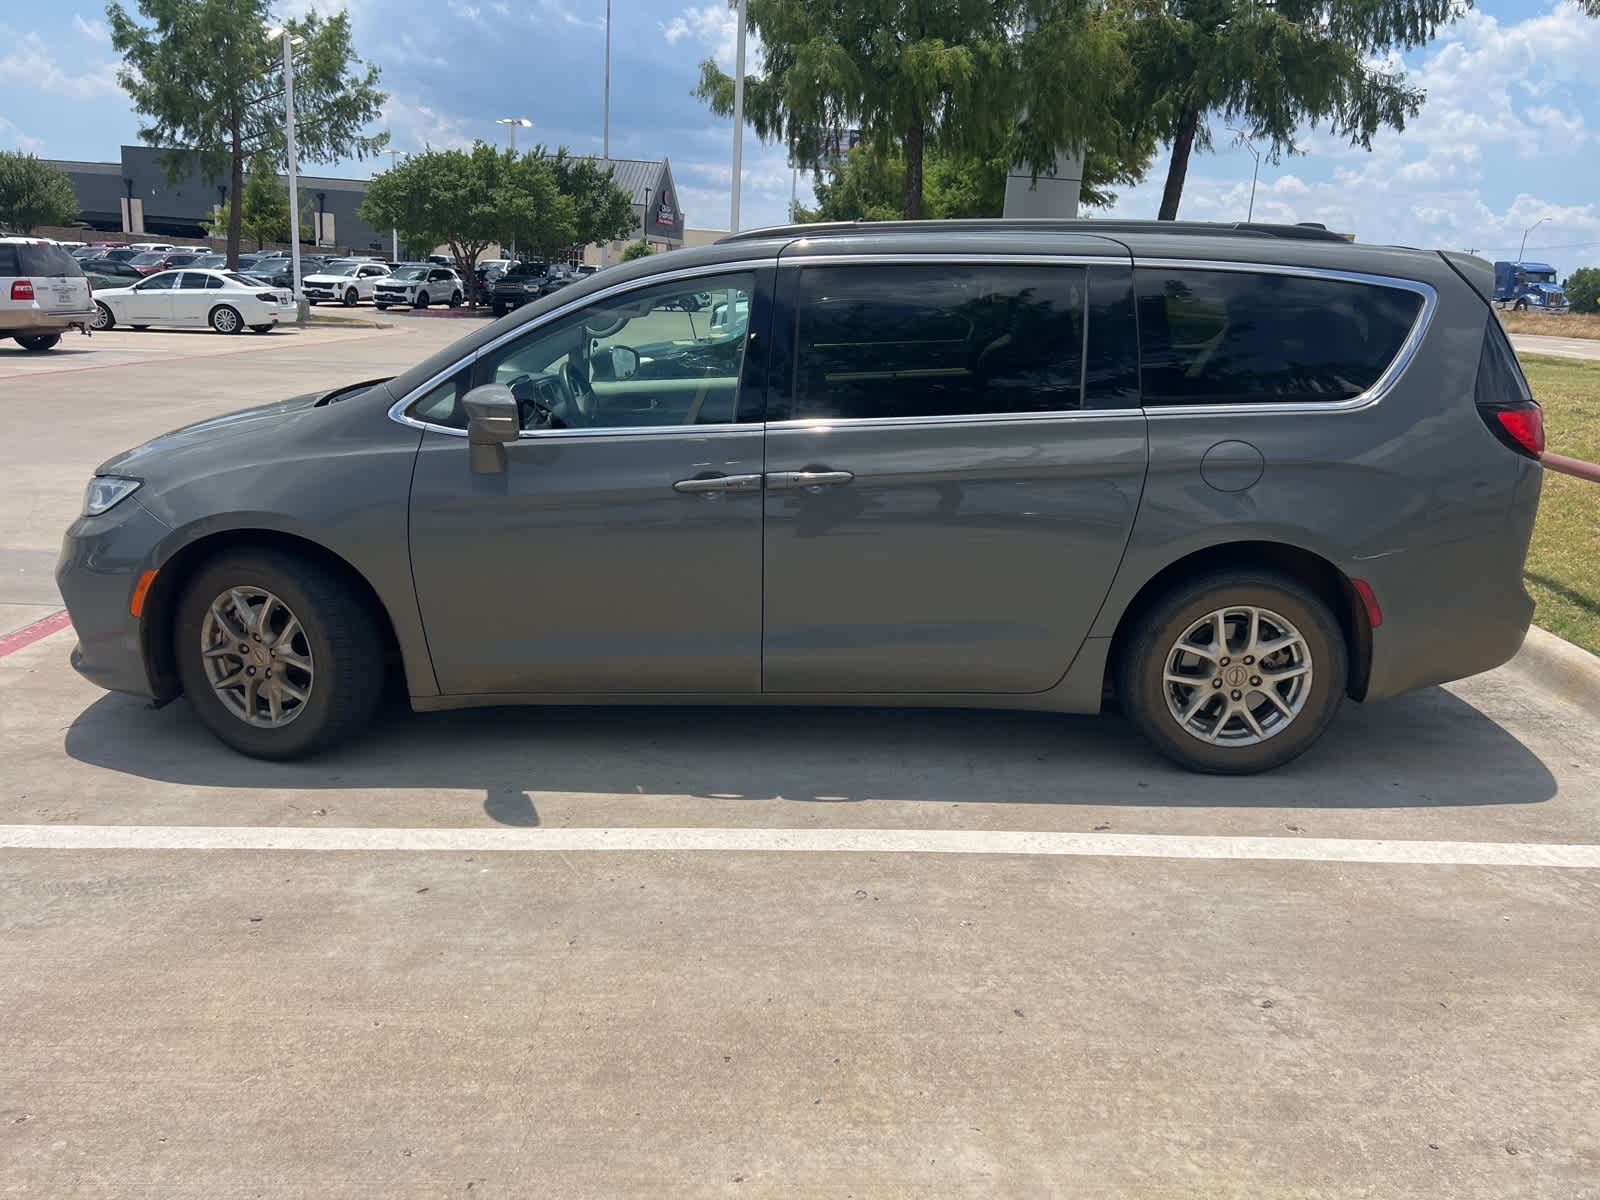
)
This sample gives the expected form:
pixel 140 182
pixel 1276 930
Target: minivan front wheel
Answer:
pixel 1234 673
pixel 278 658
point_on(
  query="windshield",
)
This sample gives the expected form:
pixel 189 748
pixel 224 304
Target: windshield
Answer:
pixel 528 268
pixel 1540 276
pixel 345 269
pixel 410 273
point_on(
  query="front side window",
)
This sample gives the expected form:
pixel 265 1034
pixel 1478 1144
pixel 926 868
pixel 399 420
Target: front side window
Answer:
pixel 645 359
pixel 158 283
pixel 938 340
pixel 1239 337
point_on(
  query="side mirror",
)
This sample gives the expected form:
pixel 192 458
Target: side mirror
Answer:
pixel 624 362
pixel 491 423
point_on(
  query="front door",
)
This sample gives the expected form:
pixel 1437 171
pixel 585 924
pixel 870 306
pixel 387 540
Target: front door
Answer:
pixel 620 549
pixel 150 302
pixel 943 511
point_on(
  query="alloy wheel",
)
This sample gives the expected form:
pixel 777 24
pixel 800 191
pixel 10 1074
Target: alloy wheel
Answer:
pixel 1237 676
pixel 257 657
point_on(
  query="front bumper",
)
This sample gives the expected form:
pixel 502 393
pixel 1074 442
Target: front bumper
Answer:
pixel 100 564
pixel 393 297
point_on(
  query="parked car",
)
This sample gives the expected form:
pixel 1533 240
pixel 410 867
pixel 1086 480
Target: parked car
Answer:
pixel 42 293
pixel 227 301
pixel 123 254
pixel 522 284
pixel 181 258
pixel 419 287
pixel 149 262
pixel 587 269
pixel 147 247
pixel 103 273
pixel 85 252
pixel 1232 474
pixel 211 262
pixel 349 283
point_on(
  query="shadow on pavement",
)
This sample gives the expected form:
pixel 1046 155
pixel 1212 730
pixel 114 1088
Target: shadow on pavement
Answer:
pixel 1429 749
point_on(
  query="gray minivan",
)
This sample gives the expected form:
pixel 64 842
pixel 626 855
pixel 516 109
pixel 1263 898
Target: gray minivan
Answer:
pixel 1228 475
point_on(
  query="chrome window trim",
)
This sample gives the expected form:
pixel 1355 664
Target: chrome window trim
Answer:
pixel 825 424
pixel 1380 387
pixel 397 409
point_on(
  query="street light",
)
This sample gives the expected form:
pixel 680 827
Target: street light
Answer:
pixel 1525 234
pixel 1244 140
pixel 516 123
pixel 605 128
pixel 301 308
pixel 738 123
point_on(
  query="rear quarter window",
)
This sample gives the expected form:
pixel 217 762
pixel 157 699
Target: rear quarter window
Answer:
pixel 1243 337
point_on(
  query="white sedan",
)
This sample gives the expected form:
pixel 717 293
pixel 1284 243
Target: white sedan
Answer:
pixel 225 300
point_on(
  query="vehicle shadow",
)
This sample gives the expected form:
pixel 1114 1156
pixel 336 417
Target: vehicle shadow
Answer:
pixel 1429 749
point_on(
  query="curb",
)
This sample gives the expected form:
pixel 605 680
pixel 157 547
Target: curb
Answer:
pixel 1571 672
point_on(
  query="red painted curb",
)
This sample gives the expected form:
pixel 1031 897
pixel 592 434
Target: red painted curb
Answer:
pixel 29 634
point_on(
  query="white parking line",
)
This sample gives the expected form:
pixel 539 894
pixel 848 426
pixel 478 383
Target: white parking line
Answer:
pixel 801 841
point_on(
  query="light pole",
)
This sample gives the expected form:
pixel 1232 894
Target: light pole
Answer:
pixel 1244 140
pixel 394 233
pixel 738 123
pixel 515 123
pixel 301 309
pixel 1525 234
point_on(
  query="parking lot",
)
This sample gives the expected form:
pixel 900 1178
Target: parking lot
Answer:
pixel 775 952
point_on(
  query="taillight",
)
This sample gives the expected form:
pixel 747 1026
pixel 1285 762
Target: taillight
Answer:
pixel 267 296
pixel 1502 396
pixel 22 289
pixel 1520 427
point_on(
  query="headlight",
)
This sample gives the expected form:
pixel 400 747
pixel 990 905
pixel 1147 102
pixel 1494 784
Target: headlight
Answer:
pixel 106 492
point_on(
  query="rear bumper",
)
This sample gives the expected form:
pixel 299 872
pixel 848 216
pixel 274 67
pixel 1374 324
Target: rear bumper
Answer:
pixel 100 563
pixel 37 320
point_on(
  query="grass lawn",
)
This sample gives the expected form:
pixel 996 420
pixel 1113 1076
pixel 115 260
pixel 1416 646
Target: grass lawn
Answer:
pixel 1564 561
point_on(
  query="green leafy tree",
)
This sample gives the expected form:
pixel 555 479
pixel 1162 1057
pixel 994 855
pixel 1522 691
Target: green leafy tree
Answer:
pixel 266 209
pixel 1583 290
pixel 33 193
pixel 639 249
pixel 601 210
pixel 209 83
pixel 863 186
pixel 971 76
pixel 470 199
pixel 1271 69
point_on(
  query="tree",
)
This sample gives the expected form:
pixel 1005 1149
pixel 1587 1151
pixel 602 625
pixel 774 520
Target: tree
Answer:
pixel 1272 68
pixel 210 82
pixel 864 186
pixel 602 211
pixel 1583 290
pixel 469 200
pixel 33 193
pixel 639 249
pixel 266 208
pixel 1025 76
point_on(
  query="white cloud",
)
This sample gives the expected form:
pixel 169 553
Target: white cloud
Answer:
pixel 29 62
pixel 414 126
pixel 13 138
pixel 554 10
pixel 715 28
pixel 95 31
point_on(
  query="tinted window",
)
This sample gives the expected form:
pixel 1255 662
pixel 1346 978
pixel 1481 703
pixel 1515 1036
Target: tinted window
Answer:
pixel 1111 372
pixel 214 282
pixel 160 282
pixel 45 261
pixel 1233 337
pixel 920 341
pixel 439 277
pixel 1500 379
pixel 194 281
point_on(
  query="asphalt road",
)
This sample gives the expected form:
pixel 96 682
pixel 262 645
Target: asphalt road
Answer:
pixel 771 952
pixel 1561 347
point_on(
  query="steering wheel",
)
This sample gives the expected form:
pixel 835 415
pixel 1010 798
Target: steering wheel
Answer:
pixel 530 407
pixel 584 402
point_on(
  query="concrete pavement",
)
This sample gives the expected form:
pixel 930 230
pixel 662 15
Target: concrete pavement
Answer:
pixel 1561 347
pixel 518 1016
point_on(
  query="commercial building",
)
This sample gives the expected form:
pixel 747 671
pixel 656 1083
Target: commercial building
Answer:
pixel 655 204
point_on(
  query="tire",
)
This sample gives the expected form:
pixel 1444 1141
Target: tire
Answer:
pixel 351 296
pixel 421 300
pixel 340 641
pixel 104 318
pixel 139 328
pixel 500 310
pixel 261 329
pixel 1155 641
pixel 455 299
pixel 1520 306
pixel 37 343
pixel 226 319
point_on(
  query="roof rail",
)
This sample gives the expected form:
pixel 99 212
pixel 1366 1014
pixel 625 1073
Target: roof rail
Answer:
pixel 1309 233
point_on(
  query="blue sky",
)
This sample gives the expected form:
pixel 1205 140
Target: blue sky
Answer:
pixel 1510 132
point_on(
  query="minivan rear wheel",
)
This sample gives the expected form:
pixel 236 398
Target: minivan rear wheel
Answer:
pixel 1233 673
pixel 279 659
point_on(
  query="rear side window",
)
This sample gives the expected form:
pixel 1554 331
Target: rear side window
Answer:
pixel 40 261
pixel 938 340
pixel 1500 379
pixel 1237 337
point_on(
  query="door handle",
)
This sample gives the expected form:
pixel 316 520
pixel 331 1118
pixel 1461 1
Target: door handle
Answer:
pixel 780 481
pixel 719 483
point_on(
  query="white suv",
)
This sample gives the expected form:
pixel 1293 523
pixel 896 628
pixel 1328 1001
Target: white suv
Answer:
pixel 419 285
pixel 347 282
pixel 42 292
